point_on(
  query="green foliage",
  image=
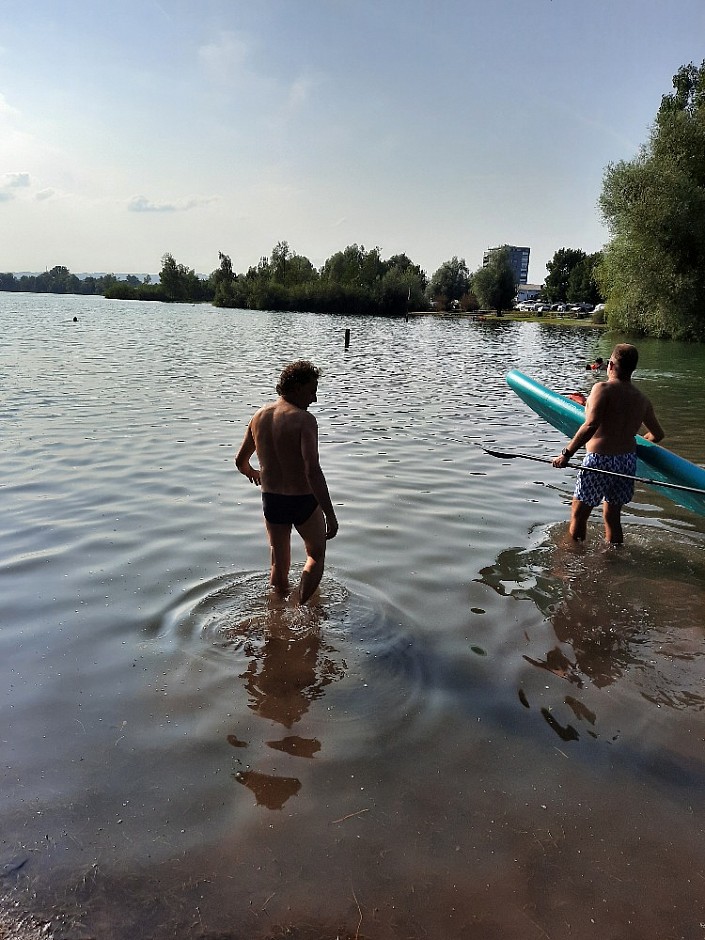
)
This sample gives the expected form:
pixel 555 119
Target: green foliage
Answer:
pixel 560 268
pixel 223 283
pixel 120 290
pixel 494 283
pixel 451 282
pixel 354 267
pixel 653 270
pixel 353 281
pixel 583 286
pixel 59 280
pixel 571 277
pixel 180 284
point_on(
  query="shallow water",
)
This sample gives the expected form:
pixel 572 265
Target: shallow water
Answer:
pixel 479 731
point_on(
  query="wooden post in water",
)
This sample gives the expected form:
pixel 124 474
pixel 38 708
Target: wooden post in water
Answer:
pixel 347 339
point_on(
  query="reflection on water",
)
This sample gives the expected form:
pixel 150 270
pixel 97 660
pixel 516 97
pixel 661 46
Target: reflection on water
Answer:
pixel 617 614
pixel 419 755
pixel 285 657
pixel 288 669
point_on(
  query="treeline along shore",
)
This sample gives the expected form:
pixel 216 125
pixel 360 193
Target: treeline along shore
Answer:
pixel 352 281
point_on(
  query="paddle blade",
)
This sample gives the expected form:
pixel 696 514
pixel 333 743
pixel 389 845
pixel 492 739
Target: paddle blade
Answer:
pixel 498 453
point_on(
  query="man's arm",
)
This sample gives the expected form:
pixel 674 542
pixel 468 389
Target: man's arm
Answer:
pixel 654 432
pixel 593 416
pixel 314 473
pixel 242 460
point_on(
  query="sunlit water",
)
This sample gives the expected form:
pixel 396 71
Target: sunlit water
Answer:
pixel 478 730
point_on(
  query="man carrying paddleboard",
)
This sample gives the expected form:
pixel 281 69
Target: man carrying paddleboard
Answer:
pixel 614 412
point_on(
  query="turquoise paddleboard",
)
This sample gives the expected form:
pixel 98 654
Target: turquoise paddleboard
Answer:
pixel 654 462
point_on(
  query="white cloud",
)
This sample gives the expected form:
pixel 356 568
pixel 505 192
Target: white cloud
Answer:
pixel 225 58
pixel 6 110
pixel 17 180
pixel 142 204
pixel 299 93
pixel 5 196
pixel 44 194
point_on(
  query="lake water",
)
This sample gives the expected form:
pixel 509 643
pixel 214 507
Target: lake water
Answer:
pixel 479 731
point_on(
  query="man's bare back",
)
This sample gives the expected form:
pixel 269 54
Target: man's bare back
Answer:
pixel 617 409
pixel 278 430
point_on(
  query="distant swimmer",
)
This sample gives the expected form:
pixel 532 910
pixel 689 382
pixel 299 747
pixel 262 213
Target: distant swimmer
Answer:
pixel 294 490
pixel 614 412
pixel 598 364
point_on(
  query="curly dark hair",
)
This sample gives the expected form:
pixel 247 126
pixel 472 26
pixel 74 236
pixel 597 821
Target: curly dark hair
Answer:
pixel 296 373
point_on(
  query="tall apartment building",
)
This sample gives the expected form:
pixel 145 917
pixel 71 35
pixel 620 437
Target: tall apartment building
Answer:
pixel 518 259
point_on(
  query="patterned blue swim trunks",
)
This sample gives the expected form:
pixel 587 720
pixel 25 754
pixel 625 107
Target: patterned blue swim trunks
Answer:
pixel 592 488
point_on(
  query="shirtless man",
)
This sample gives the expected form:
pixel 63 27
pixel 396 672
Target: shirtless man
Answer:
pixel 614 412
pixel 294 490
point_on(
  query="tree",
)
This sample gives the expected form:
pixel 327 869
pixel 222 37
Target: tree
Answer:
pixel 583 286
pixel 58 281
pixel 402 286
pixel 560 268
pixel 354 267
pixel 179 283
pixel 288 268
pixel 223 283
pixel 450 282
pixel 494 284
pixel 653 269
pixel 170 279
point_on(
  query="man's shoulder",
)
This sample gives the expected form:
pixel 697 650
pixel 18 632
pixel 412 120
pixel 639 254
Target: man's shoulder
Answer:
pixel 308 420
pixel 599 390
pixel 264 410
pixel 294 417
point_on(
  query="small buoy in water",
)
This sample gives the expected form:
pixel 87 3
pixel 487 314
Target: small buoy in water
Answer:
pixel 347 339
pixel 75 319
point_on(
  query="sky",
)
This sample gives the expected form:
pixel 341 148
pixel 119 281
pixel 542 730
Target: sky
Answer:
pixel 437 128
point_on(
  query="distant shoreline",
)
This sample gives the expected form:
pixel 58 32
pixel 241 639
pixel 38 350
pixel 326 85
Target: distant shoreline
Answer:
pixel 509 316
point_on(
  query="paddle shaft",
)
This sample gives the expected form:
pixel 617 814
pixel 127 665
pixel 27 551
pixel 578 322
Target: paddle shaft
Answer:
pixel 612 473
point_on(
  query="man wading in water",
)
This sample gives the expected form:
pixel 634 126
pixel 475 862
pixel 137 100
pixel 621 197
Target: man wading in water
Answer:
pixel 614 412
pixel 294 491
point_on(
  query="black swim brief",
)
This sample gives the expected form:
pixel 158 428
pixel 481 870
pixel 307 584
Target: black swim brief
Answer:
pixel 282 509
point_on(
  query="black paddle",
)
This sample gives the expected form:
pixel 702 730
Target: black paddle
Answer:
pixel 612 473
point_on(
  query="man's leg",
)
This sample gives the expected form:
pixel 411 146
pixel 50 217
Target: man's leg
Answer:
pixel 313 532
pixel 280 553
pixel 579 515
pixel 612 515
